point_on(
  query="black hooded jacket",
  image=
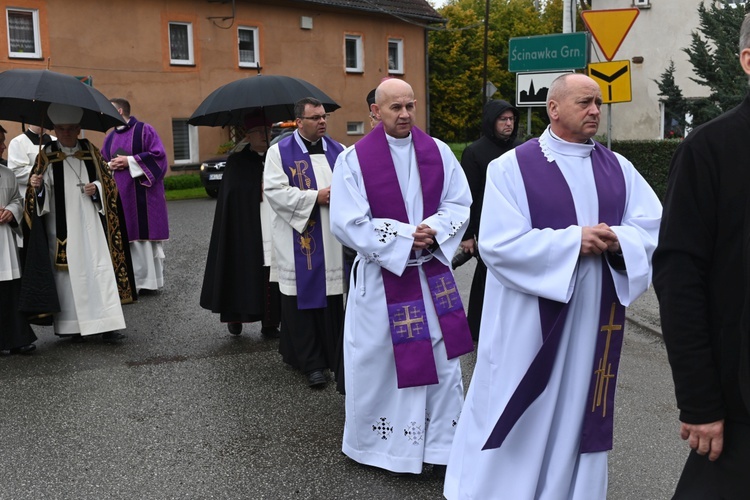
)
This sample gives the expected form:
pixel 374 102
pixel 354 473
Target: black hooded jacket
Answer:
pixel 480 153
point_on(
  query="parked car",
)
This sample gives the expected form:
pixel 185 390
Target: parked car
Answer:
pixel 212 170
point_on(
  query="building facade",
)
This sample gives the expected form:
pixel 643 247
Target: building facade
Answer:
pixel 659 34
pixel 166 56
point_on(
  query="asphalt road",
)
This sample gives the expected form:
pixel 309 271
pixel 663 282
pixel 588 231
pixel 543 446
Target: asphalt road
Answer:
pixel 182 409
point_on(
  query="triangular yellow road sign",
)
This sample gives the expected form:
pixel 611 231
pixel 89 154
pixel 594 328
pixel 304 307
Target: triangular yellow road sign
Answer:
pixel 609 27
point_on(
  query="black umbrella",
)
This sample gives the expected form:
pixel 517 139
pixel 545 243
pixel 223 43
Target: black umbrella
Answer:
pixel 273 95
pixel 25 95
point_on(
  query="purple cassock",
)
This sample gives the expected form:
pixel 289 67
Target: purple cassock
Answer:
pixel 143 201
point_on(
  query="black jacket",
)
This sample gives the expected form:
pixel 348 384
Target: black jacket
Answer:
pixel 480 153
pixel 702 270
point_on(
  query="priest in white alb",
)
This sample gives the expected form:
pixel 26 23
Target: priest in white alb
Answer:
pixel 401 200
pixel 567 232
pixel 75 197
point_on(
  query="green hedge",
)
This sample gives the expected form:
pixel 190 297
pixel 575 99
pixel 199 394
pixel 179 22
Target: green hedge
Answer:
pixel 182 181
pixel 651 158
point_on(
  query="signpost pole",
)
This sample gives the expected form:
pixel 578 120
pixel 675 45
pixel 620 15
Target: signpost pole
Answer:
pixel 528 121
pixel 609 125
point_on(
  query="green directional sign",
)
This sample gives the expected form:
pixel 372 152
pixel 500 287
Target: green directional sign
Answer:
pixel 548 52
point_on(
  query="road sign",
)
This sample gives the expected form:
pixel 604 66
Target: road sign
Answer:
pixel 548 52
pixel 609 28
pixel 614 79
pixel 489 90
pixel 531 88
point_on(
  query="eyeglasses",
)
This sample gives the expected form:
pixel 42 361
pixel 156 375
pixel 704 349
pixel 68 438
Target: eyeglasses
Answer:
pixel 507 118
pixel 316 118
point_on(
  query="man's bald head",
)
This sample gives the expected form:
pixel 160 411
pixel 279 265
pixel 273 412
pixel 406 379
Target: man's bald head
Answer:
pixel 395 107
pixel 573 103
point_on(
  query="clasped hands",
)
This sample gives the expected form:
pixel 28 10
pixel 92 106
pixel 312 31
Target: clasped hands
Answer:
pixel 595 240
pixel 118 163
pixel 424 236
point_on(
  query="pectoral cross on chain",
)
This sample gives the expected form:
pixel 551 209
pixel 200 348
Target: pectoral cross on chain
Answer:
pixel 604 369
pixel 80 186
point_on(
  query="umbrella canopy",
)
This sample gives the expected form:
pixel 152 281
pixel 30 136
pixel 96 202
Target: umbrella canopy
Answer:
pixel 25 95
pixel 273 95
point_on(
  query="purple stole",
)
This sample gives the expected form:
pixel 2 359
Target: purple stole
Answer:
pixel 410 333
pixel 309 256
pixel 551 205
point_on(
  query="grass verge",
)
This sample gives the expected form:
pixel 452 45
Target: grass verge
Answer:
pixel 186 194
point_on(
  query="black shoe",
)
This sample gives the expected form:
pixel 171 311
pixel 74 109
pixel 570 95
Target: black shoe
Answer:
pixel 439 470
pixel 112 337
pixel 77 338
pixel 234 328
pixel 24 349
pixel 270 332
pixel 316 379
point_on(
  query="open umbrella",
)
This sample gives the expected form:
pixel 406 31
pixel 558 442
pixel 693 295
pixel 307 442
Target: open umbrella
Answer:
pixel 273 95
pixel 25 95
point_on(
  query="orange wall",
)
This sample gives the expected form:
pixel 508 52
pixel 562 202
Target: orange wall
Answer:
pixel 124 47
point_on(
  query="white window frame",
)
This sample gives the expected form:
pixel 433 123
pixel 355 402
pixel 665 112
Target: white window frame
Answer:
pixel 37 53
pixel 359 66
pixel 192 143
pixel 355 128
pixel 255 51
pixel 641 3
pixel 191 57
pixel 399 66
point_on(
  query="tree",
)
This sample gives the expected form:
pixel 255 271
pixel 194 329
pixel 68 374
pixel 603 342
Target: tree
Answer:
pixel 457 55
pixel 714 55
pixel 675 106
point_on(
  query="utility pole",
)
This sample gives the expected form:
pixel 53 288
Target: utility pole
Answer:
pixel 486 49
pixel 569 16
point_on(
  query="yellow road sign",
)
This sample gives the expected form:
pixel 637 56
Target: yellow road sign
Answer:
pixel 609 27
pixel 614 79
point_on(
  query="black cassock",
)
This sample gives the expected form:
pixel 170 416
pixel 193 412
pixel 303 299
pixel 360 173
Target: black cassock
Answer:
pixel 235 283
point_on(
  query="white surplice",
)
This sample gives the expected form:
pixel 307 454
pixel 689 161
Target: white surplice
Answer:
pixel 291 210
pixel 148 264
pixel 387 427
pixel 539 458
pixel 87 291
pixel 10 199
pixel 147 256
pixel 21 156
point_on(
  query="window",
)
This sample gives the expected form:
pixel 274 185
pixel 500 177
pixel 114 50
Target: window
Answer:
pixel 641 3
pixel 395 56
pixel 248 42
pixel 181 43
pixel 353 53
pixel 184 142
pixel 23 33
pixel 355 128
